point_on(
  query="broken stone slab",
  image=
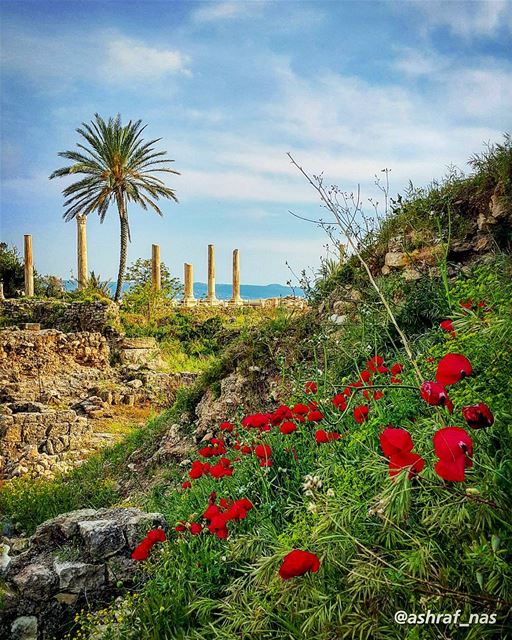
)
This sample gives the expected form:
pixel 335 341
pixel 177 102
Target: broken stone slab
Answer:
pixel 75 577
pixel 102 538
pixel 35 581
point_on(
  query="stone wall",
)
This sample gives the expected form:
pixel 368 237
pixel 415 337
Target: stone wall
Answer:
pixel 45 365
pixel 98 316
pixel 41 441
pixel 78 559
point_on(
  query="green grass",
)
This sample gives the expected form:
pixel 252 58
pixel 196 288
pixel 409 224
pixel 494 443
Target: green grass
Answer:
pixel 383 545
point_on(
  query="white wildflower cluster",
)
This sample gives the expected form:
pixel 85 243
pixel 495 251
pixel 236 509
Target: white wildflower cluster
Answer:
pixel 311 484
pixel 377 509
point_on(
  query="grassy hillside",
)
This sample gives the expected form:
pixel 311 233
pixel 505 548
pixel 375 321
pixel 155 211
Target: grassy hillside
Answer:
pixel 391 532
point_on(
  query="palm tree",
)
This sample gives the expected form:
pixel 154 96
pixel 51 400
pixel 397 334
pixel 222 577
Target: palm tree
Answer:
pixel 118 166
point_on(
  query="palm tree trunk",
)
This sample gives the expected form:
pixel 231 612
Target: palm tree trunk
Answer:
pixel 124 248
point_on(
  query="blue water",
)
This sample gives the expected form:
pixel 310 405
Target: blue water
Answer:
pixel 223 291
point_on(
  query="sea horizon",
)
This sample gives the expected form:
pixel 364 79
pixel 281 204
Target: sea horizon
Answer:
pixel 223 291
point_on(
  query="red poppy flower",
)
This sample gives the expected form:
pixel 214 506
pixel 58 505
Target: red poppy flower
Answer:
pixel 452 368
pixel 181 526
pixel 374 363
pixel 300 409
pixel 395 380
pixel 186 485
pixel 288 427
pixel 434 393
pixel 315 416
pixel 339 402
pixel 322 436
pixel 211 512
pixel 265 462
pixel 141 551
pixel 297 563
pixel 366 376
pixel 156 535
pixel 246 450
pixel 226 426
pixel 466 304
pixel 394 441
pixel 478 416
pixel 361 413
pixel 263 451
pixel 199 469
pixel 411 461
pixel 396 368
pixel 447 325
pixel 378 395
pixel 195 528
pixel 454 448
pixel 310 387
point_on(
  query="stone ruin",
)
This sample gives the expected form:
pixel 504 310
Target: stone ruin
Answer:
pixel 53 385
pixel 71 561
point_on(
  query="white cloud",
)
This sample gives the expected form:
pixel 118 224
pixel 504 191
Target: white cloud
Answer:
pixel 54 63
pixel 132 59
pixel 218 11
pixel 467 18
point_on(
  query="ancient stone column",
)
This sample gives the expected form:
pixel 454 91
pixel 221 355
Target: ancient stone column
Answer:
pixel 29 267
pixel 235 298
pixel 188 296
pixel 2 297
pixel 211 297
pixel 82 251
pixel 156 275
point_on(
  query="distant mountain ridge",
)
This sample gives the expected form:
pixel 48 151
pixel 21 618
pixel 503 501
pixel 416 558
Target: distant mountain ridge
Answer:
pixel 223 291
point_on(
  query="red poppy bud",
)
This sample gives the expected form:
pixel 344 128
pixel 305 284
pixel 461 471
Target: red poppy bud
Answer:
pixel 452 368
pixel 310 387
pixel 478 416
pixel 466 304
pixel 297 563
pixel 361 413
pixel 447 325
pixel 180 527
pixel 186 485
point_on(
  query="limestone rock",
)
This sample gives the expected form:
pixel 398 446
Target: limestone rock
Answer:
pixel 24 628
pixel 36 581
pixel 75 577
pixel 102 538
pixel 396 259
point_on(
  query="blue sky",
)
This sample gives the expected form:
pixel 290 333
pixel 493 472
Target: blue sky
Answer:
pixel 347 87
